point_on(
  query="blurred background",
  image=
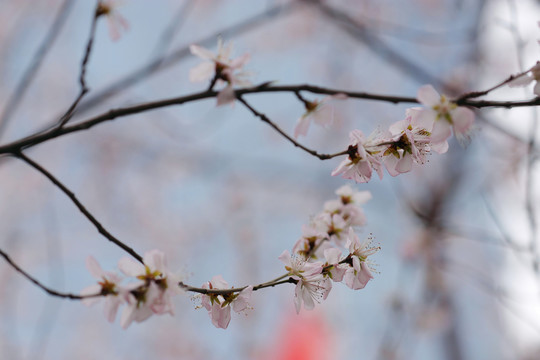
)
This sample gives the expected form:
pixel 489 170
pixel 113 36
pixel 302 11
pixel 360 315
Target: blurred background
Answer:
pixel 222 193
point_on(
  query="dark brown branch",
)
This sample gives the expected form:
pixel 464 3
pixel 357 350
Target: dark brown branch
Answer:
pixel 45 288
pixel 265 118
pixel 82 75
pixel 475 94
pixel 203 291
pixel 38 138
pixel 80 206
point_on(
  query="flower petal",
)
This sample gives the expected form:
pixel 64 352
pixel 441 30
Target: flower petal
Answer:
pixel 226 96
pixel 428 96
pixel 130 267
pixel 201 52
pixel 202 72
pixel 302 126
pixel 93 267
pixel 463 119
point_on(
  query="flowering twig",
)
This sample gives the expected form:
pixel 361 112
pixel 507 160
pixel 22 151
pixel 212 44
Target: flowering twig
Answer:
pixel 474 94
pixel 238 289
pixel 166 61
pixel 40 137
pixel 265 118
pixel 82 74
pixel 80 206
pixel 47 289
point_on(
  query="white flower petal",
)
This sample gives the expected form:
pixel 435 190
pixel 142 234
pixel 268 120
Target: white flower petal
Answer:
pixel 520 81
pixel 202 72
pixel 130 267
pixel 428 96
pixel 302 126
pixel 93 267
pixel 201 52
pixel 226 96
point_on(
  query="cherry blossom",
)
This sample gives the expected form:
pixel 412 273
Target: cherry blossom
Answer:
pixel 318 111
pixel 222 68
pixel 532 75
pixel 348 195
pixel 347 206
pixel 446 115
pixel 151 293
pixel 358 274
pixel 107 286
pixel 311 287
pixel 333 268
pixel 363 158
pixel 116 22
pixel 411 142
pixel 310 243
pixel 334 225
pixel 219 306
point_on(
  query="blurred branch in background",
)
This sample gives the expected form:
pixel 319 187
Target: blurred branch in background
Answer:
pixel 171 177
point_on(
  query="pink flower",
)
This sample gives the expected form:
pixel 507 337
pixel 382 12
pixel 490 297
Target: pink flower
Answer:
pixel 219 306
pixel 348 195
pixel 108 286
pixel 532 75
pixel 319 111
pixel 311 286
pixel 333 266
pixel 358 274
pixel 311 242
pixel 152 292
pixel 362 159
pixel 115 21
pixel 334 225
pixel 347 206
pixel 411 142
pixel 222 68
pixel 445 115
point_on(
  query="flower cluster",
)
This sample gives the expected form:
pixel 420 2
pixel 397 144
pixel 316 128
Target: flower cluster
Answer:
pixel 150 293
pixel 318 259
pixel 222 68
pixel 408 141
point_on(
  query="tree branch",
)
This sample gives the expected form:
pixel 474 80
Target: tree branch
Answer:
pixel 45 288
pixel 265 118
pixel 80 206
pixel 40 137
pixel 82 75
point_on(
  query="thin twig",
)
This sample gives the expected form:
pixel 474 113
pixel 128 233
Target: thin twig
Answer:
pixel 36 282
pixel 82 75
pixel 204 291
pixel 475 94
pixel 265 118
pixel 80 206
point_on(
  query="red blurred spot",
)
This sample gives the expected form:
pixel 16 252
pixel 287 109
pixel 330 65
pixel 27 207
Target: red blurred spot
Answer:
pixel 302 337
